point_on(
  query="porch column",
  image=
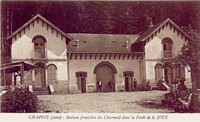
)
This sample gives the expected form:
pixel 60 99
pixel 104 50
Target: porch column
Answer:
pixel 22 73
pixel 15 79
pixel 142 69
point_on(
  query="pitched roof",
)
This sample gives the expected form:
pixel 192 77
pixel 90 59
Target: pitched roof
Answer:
pixel 32 20
pixel 15 66
pixel 151 31
pixel 101 43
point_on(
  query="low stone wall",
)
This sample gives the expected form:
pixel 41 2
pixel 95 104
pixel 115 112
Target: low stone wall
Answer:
pixel 60 87
pixel 73 89
pixel 119 88
pixel 6 87
pixel 91 88
pixel 27 83
pixel 3 88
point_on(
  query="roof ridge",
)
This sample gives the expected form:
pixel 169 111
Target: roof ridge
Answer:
pixel 101 34
pixel 31 20
pixel 152 30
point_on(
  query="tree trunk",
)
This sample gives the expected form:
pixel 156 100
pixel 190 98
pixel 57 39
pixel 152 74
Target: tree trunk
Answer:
pixel 195 77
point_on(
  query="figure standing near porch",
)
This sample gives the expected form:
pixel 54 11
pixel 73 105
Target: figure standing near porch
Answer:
pixel 168 80
pixel 181 84
pixel 176 82
pixel 135 84
pixel 99 83
pixel 161 80
pixel 159 84
pixel 110 84
pixel 148 86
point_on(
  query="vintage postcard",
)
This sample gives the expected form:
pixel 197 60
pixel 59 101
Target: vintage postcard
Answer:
pixel 100 60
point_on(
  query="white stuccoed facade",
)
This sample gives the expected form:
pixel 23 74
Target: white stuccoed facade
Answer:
pixel 56 47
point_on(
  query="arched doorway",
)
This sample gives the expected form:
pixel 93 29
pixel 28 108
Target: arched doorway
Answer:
pixel 168 72
pixel 40 79
pixel 158 72
pixel 105 72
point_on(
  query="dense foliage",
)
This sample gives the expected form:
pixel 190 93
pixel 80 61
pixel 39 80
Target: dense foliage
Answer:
pixel 110 17
pixel 190 56
pixel 123 17
pixel 19 100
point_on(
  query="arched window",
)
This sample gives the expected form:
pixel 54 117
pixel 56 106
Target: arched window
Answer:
pixel 158 72
pixel 51 72
pixel 167 47
pixel 39 46
pixel 179 71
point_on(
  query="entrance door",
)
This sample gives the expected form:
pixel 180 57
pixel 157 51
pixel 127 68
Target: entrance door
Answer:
pixel 40 75
pixel 81 81
pixel 106 75
pixel 83 85
pixel 168 72
pixel 126 84
pixel 158 72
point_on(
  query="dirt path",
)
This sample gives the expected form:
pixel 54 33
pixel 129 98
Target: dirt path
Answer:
pixel 116 102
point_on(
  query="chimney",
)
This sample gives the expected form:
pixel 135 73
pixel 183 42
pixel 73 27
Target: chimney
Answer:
pixel 126 44
pixel 150 22
pixel 77 43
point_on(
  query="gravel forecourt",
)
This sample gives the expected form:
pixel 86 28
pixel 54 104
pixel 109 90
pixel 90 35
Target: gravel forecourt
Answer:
pixel 112 102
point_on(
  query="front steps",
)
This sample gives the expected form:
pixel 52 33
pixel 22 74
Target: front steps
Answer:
pixel 41 90
pixel 166 86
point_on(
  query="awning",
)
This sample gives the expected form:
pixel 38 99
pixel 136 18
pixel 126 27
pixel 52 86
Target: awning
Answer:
pixel 15 66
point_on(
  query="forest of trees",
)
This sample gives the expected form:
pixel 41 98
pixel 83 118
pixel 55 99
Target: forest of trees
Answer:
pixel 117 17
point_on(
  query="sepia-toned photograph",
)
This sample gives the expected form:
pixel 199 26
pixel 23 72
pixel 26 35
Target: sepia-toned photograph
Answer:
pixel 100 56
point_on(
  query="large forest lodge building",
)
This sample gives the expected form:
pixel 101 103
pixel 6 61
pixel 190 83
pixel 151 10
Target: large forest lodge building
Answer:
pixel 75 62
